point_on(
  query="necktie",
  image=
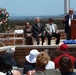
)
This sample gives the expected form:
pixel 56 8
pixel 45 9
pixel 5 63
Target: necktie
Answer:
pixel 51 28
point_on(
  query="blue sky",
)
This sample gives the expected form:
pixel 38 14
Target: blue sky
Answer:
pixel 35 7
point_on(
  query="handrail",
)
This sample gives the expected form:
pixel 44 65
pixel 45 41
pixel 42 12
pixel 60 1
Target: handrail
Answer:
pixel 1 41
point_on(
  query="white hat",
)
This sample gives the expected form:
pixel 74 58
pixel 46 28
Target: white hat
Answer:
pixel 32 56
pixel 1 73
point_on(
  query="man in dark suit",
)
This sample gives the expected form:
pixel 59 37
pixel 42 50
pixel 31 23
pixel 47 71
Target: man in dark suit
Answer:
pixel 67 21
pixel 38 31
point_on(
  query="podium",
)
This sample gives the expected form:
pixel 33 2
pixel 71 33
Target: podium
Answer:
pixel 73 29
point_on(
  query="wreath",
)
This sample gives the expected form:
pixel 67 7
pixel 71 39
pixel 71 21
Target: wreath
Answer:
pixel 4 19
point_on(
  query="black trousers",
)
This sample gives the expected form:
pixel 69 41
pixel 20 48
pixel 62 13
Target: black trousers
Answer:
pixel 68 34
pixel 56 35
pixel 37 39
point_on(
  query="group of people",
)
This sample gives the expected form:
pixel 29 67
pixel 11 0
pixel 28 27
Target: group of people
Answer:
pixel 49 30
pixel 39 30
pixel 40 63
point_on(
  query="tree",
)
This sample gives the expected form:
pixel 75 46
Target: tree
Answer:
pixel 4 19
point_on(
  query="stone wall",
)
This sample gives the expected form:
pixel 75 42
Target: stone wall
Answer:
pixel 22 51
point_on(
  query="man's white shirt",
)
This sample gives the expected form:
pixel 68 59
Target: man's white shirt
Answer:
pixel 52 29
pixel 70 18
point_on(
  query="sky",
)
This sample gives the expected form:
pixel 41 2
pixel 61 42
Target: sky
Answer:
pixel 35 7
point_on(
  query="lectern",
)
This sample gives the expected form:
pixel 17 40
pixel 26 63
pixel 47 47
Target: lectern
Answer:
pixel 73 29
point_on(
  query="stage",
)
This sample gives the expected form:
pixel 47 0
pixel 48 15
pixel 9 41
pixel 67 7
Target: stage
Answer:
pixel 21 50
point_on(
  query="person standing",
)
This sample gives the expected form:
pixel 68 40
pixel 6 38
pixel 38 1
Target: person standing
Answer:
pixel 41 62
pixel 52 31
pixel 67 22
pixel 6 63
pixel 38 31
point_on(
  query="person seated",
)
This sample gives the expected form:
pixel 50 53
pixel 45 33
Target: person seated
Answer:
pixel 6 63
pixel 51 64
pixel 52 31
pixel 41 62
pixel 11 52
pixel 65 66
pixel 30 63
pixel 63 50
pixel 28 33
pixel 38 31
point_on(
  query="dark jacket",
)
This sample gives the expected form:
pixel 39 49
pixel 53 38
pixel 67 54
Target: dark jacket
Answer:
pixel 37 30
pixel 28 66
pixel 67 22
